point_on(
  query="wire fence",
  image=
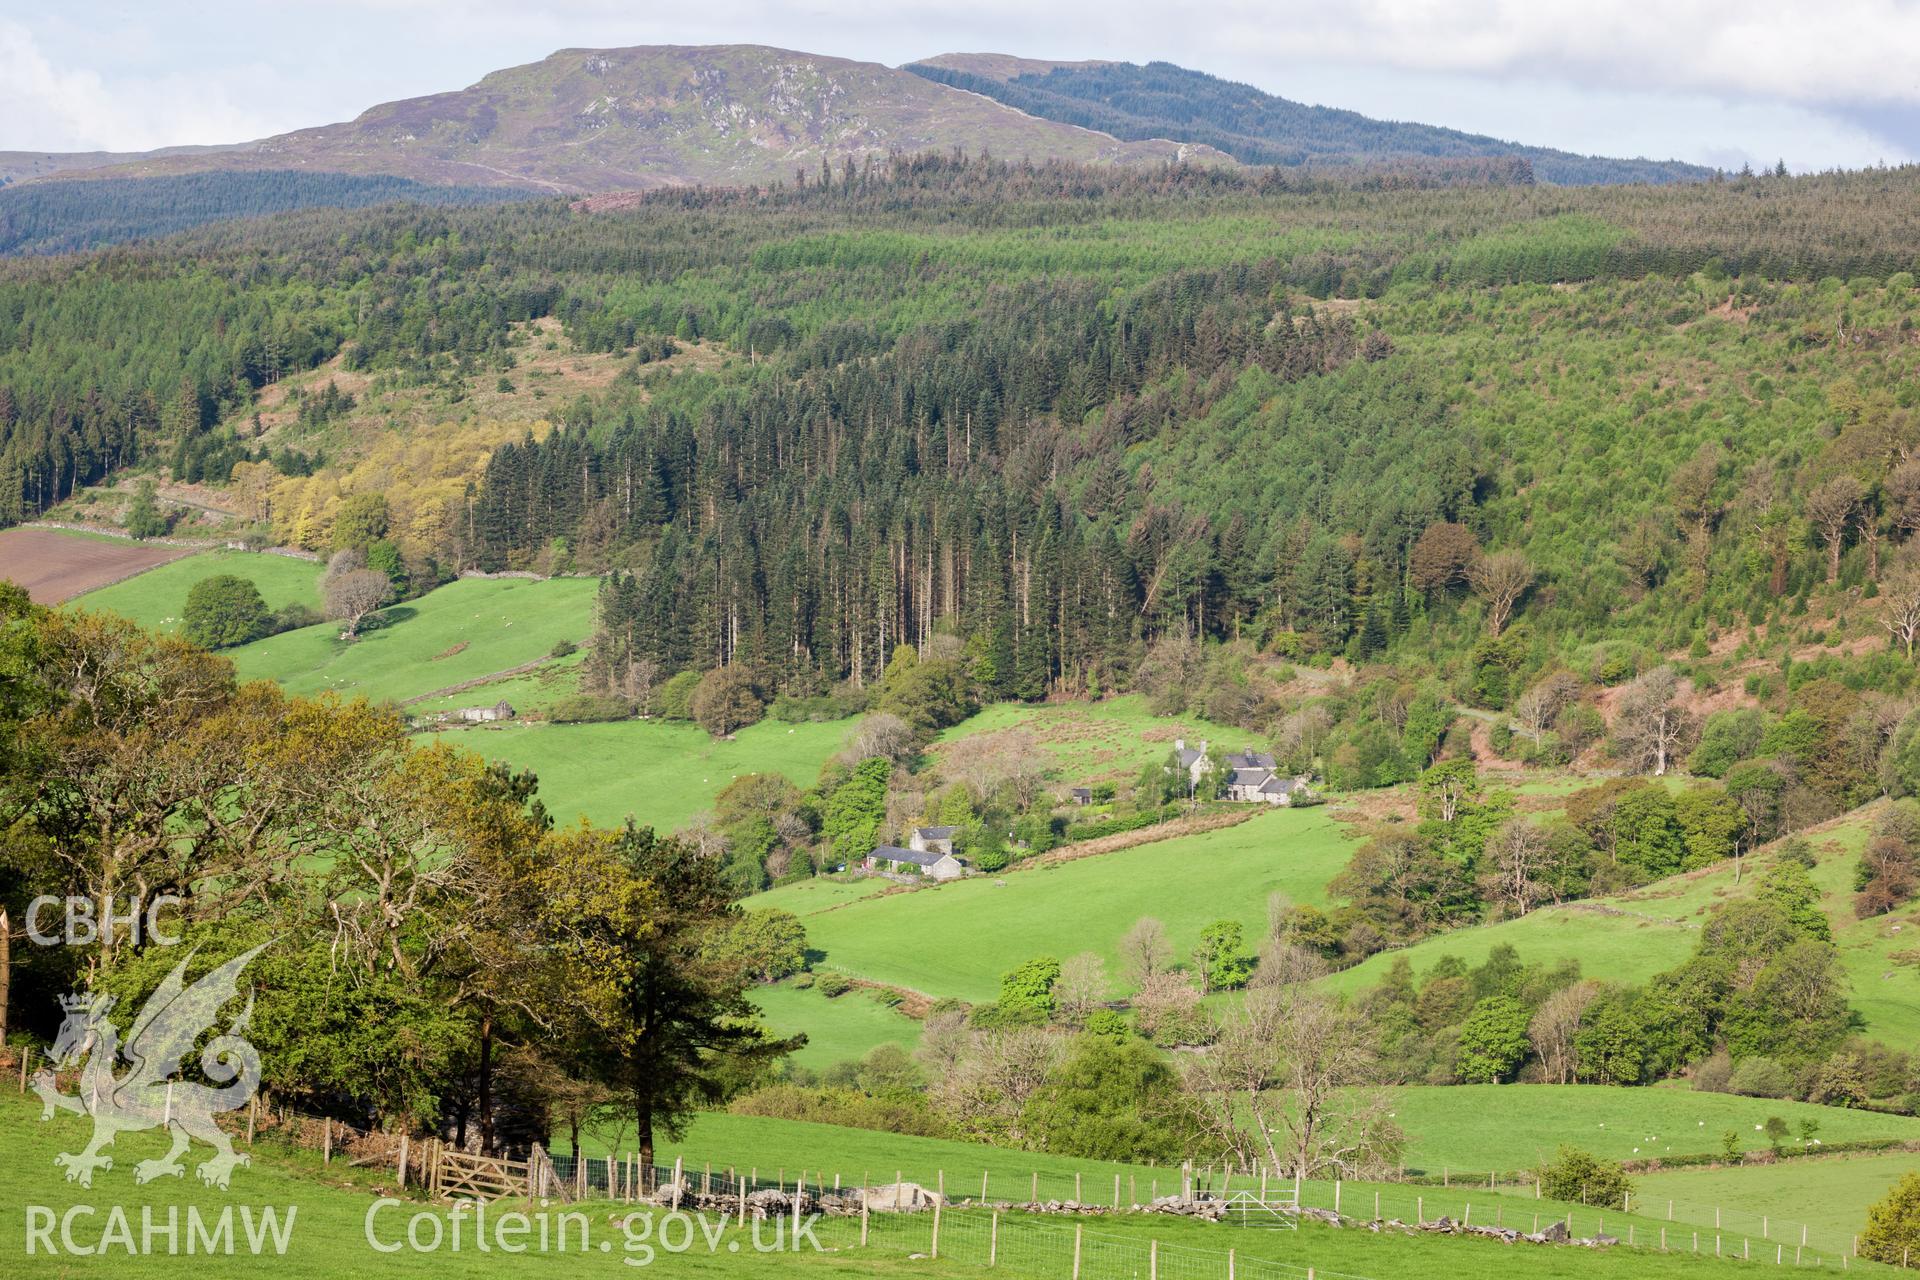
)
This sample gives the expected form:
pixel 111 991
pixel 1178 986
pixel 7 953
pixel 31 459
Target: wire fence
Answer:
pixel 969 1230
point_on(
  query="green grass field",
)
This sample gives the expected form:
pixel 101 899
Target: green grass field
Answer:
pixel 820 893
pixel 459 632
pixel 1493 1127
pixel 329 1206
pixel 1829 1196
pixel 957 939
pixel 1886 993
pixel 157 597
pixel 1630 937
pixel 789 1148
pixel 534 690
pixel 843 1028
pixel 1099 741
pixel 662 773
pixel 329 1236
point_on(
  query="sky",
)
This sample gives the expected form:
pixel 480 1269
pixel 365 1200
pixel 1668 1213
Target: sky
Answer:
pixel 1819 83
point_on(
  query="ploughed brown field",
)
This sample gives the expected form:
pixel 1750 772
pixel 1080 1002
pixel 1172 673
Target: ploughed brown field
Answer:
pixel 56 566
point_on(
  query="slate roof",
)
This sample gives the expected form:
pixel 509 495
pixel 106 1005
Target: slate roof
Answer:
pixel 936 833
pixel 919 858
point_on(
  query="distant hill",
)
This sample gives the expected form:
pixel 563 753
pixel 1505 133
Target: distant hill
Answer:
pixel 60 217
pixel 20 166
pixel 1161 100
pixel 595 120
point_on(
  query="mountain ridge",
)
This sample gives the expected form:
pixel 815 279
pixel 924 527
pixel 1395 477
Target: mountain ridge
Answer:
pixel 587 121
pixel 1255 127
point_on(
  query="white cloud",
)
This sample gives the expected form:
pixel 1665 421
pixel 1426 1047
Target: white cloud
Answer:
pixel 1817 51
pixel 69 108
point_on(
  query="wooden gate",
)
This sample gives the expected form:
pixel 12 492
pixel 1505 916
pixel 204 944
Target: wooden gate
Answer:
pixel 460 1176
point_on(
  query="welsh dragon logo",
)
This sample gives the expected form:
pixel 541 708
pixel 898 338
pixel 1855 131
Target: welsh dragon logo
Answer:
pixel 145 1095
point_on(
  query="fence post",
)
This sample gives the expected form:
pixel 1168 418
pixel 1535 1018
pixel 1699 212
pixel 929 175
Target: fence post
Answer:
pixel 993 1240
pixel 253 1109
pixel 1765 1225
pixel 678 1184
pixel 1034 1198
pixel 1663 1239
pixel 935 1251
pixel 326 1140
pixel 864 1200
pixel 1133 1190
pixel 1336 1198
pixel 1420 1210
pixel 26 1057
pixel 1186 1183
pixel 1230 1262
pixel 400 1170
pixel 940 1184
pixel 983 1186
pixel 1076 1251
pixel 1376 1206
pixel 1153 1260
pixel 1076 1186
pixel 1116 1191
